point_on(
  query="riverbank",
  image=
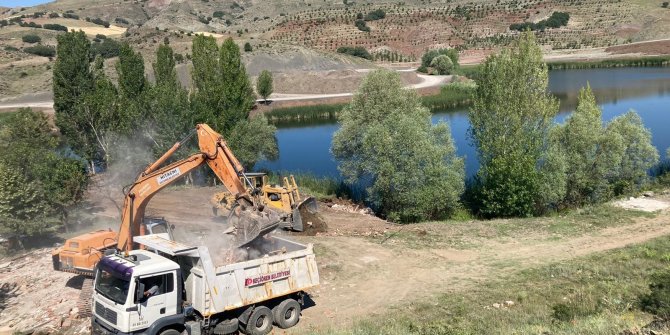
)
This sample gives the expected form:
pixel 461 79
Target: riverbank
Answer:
pixel 448 97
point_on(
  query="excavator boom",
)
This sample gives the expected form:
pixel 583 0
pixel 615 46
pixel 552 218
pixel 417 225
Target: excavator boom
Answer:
pixel 214 151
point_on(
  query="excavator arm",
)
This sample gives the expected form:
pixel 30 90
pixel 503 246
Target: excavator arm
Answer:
pixel 217 155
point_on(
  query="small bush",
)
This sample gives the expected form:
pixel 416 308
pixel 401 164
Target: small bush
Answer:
pixel 375 15
pixel 100 36
pixel 54 26
pixel 665 4
pixel 41 50
pixel 247 47
pixel 108 48
pixel 31 39
pixel 658 300
pixel 10 48
pixel 362 26
pixel 100 22
pixel 219 14
pixel 121 20
pixel 355 51
pixel 71 16
pixel 53 15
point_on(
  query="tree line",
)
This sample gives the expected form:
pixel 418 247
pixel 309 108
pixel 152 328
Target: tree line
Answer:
pixel 529 165
pixel 121 124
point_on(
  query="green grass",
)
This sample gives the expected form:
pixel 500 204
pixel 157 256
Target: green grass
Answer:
pixel 318 187
pixel 450 96
pixel 590 295
pixel 467 234
pixel 5 116
pixel 610 63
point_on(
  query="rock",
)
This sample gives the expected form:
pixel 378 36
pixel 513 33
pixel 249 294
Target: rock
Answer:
pixel 67 323
pixel 74 311
pixel 648 194
pixel 497 305
pixel 509 303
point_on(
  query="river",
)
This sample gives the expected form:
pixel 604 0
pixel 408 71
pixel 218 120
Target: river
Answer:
pixel 305 148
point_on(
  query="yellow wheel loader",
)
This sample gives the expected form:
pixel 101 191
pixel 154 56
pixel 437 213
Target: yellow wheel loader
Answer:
pixel 286 199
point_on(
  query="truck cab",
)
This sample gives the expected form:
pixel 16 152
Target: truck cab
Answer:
pixel 138 293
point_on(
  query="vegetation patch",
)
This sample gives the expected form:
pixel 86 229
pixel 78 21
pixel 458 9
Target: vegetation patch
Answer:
pixel 593 295
pixel 556 20
pixel 41 50
pixel 355 51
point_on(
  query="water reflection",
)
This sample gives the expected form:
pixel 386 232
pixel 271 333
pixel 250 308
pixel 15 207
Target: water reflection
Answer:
pixel 305 147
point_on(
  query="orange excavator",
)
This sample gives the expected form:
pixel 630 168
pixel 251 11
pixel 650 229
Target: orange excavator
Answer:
pixel 246 222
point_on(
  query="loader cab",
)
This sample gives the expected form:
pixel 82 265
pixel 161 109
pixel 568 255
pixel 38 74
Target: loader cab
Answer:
pixel 135 293
pixel 158 226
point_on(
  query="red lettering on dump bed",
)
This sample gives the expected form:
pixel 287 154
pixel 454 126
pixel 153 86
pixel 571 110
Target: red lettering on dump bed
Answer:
pixel 264 278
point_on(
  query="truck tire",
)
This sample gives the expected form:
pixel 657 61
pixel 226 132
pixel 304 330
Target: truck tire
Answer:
pixel 170 332
pixel 226 327
pixel 286 314
pixel 260 321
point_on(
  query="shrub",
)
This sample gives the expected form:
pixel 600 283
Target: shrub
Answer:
pixel 100 36
pixel 54 26
pixel 219 14
pixel 71 16
pixel 100 22
pixel 355 51
pixel 247 47
pixel 178 57
pixel 121 20
pixel 41 50
pixel 657 301
pixel 362 26
pixel 10 48
pixel 556 20
pixel 665 4
pixel 53 15
pixel 31 38
pixel 427 58
pixel 108 48
pixel 375 15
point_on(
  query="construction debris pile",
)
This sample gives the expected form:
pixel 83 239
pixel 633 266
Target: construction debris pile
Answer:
pixel 35 299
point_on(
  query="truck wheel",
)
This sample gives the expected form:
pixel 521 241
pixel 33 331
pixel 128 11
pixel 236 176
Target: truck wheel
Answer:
pixel 170 332
pixel 226 327
pixel 286 314
pixel 260 321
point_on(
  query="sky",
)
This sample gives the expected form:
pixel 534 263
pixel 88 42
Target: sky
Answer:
pixel 22 3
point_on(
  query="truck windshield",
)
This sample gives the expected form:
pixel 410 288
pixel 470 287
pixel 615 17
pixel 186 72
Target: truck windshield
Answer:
pixel 112 287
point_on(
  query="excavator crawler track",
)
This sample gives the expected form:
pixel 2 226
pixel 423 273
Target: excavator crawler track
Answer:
pixel 85 295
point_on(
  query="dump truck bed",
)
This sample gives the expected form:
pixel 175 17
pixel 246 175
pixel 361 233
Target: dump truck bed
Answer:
pixel 277 267
pixel 285 267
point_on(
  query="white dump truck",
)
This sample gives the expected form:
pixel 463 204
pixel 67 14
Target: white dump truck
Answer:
pixel 178 289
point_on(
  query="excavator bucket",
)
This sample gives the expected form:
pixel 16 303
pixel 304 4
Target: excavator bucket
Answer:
pixel 305 208
pixel 250 225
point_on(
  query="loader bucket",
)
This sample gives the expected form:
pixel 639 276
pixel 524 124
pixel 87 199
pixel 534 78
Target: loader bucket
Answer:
pixel 307 205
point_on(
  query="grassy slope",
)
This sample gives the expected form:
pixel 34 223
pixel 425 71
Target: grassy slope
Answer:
pixel 598 294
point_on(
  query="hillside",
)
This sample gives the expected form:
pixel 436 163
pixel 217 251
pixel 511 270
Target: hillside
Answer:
pixel 303 35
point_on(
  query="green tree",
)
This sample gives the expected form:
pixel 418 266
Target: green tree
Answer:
pixel 264 84
pixel 224 97
pixel 511 120
pixel 591 153
pixel 238 94
pixel 133 85
pixel 442 64
pixel 170 112
pixel 387 139
pixel 53 182
pixel 428 57
pixel 207 97
pixel 638 154
pixel 72 79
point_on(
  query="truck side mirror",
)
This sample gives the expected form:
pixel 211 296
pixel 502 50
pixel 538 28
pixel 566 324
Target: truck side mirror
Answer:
pixel 139 291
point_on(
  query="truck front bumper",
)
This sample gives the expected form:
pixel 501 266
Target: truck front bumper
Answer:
pixel 99 327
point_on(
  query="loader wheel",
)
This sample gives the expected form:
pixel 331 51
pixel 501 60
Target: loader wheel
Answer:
pixel 260 321
pixel 286 314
